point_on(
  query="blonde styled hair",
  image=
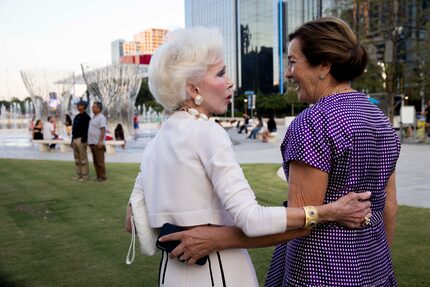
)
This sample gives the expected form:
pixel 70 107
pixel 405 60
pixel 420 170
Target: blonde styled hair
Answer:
pixel 331 40
pixel 184 58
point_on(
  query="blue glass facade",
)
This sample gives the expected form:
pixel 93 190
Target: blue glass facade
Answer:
pixel 250 30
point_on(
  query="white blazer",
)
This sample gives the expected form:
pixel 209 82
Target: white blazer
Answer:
pixel 190 177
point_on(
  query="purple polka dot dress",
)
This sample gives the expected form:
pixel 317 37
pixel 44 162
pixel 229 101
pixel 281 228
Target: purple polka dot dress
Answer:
pixel 348 137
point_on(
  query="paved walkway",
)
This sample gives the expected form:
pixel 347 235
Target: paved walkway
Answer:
pixel 413 168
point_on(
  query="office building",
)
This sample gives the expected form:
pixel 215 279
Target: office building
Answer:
pixel 143 44
pixel 150 39
pixel 249 28
pixel 132 48
pixel 117 50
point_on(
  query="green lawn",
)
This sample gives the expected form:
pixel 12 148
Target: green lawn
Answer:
pixel 57 232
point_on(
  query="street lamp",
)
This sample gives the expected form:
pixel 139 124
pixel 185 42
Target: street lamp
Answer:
pixel 246 105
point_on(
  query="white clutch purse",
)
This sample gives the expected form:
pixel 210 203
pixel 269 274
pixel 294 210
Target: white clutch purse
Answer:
pixel 140 227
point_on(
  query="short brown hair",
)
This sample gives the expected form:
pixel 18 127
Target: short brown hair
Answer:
pixel 99 105
pixel 331 40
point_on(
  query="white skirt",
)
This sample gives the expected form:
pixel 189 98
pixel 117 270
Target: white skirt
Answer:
pixel 228 268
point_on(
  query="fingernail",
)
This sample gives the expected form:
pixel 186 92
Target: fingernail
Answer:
pixel 161 239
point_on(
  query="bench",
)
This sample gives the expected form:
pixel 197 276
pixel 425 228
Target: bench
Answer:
pixel 65 145
pixel 110 145
pixel 269 138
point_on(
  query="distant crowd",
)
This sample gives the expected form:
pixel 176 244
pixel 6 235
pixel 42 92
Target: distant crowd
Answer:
pixel 83 132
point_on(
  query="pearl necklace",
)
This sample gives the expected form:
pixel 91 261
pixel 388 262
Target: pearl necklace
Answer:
pixel 193 112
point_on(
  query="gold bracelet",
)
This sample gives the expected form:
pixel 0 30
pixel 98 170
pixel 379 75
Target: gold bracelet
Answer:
pixel 311 214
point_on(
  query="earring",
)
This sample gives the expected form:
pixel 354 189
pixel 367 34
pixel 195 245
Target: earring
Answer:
pixel 321 77
pixel 198 100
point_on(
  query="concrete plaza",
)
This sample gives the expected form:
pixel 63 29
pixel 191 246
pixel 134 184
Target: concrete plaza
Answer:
pixel 413 167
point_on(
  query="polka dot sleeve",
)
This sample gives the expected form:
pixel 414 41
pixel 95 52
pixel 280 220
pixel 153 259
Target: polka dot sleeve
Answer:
pixel 307 140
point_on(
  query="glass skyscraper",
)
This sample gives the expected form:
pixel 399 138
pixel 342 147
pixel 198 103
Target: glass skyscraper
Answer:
pixel 117 50
pixel 250 30
pixel 219 14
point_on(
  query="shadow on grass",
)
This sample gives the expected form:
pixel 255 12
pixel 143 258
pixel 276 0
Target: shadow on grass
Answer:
pixel 6 281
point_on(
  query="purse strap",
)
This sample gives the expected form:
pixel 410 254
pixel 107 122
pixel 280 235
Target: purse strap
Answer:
pixel 132 248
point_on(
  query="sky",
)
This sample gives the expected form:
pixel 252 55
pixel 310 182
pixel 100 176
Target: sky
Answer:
pixel 62 34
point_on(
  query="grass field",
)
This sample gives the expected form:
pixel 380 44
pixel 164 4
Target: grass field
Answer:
pixel 57 232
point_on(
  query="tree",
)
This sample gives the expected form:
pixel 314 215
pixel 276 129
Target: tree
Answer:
pixel 386 27
pixel 145 97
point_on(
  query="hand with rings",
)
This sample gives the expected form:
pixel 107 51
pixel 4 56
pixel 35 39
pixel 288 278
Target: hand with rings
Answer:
pixel 366 220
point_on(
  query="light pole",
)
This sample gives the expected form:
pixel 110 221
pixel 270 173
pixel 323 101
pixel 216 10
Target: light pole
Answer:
pixel 246 105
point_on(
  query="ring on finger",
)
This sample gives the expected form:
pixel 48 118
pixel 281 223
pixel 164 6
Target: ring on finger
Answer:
pixel 365 221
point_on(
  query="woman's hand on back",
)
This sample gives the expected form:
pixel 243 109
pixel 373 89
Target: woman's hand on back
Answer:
pixel 350 210
pixel 200 241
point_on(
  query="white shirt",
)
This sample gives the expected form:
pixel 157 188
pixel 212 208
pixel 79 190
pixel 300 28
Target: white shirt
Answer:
pixel 94 130
pixel 48 128
pixel 189 177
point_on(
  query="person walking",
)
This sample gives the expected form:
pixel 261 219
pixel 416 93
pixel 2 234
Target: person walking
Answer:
pixel 96 140
pixel 79 141
pixel 136 126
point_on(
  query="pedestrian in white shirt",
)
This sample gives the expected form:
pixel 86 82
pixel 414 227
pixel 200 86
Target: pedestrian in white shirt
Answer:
pixel 189 176
pixel 96 140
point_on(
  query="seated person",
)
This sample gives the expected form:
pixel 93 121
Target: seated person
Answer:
pixel 38 130
pixel 245 124
pixel 271 128
pixel 49 131
pixel 119 134
pixel 68 123
pixel 257 128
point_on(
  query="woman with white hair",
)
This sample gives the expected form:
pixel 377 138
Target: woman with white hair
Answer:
pixel 189 175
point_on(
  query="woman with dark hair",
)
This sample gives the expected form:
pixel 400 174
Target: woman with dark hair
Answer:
pixel 342 143
pixel 119 134
pixel 38 130
pixel 270 133
pixel 68 123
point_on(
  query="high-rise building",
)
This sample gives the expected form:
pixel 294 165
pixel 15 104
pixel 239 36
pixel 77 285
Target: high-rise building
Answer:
pixel 144 43
pixel 301 11
pixel 132 48
pixel 117 50
pixel 150 39
pixel 250 31
pixel 220 14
